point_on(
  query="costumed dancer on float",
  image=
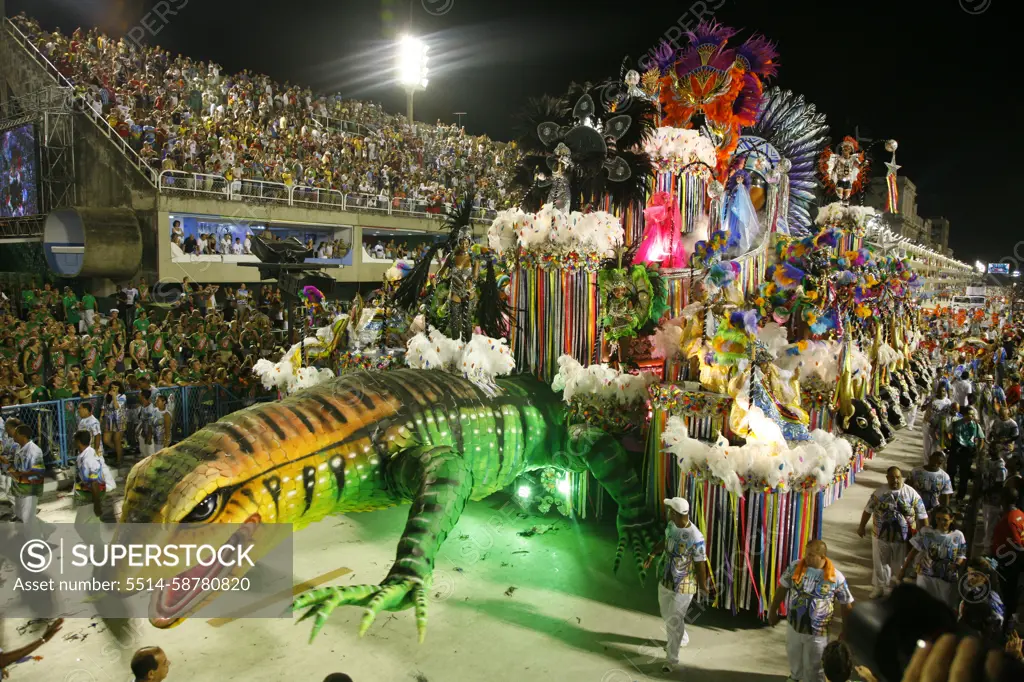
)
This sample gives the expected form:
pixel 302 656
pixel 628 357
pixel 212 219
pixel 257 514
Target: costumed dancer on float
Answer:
pixel 662 244
pixel 685 573
pixel 462 272
pixel 844 171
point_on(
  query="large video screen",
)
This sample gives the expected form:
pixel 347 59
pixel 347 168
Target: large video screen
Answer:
pixel 19 174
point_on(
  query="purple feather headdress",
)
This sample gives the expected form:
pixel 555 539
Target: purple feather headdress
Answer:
pixel 710 33
pixel 758 55
pixel 665 56
pixel 749 98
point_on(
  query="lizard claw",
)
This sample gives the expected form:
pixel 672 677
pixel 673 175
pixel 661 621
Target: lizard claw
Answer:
pixel 394 594
pixel 638 533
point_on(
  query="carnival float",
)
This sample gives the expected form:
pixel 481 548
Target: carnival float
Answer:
pixel 671 279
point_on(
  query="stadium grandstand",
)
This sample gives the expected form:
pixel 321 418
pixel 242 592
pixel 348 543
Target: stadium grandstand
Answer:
pixel 127 161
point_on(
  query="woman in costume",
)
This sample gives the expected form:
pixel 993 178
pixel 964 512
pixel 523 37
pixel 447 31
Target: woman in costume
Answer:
pixel 462 271
pixel 662 242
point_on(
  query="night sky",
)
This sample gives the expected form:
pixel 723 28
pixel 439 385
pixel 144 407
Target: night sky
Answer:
pixel 936 75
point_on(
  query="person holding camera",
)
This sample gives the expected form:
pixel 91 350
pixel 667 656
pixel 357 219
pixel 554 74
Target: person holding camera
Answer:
pixel 894 509
pixel 811 587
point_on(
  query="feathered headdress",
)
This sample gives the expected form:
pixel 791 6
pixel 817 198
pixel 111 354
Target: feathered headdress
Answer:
pixel 604 129
pixel 408 295
pixel 492 310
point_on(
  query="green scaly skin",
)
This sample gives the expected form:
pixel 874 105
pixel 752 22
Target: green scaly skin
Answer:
pixel 370 440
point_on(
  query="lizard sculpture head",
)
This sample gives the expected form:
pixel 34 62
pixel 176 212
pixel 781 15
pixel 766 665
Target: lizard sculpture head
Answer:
pixel 290 462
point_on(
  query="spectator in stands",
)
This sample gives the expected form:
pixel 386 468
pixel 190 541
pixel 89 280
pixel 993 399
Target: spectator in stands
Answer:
pixel 182 114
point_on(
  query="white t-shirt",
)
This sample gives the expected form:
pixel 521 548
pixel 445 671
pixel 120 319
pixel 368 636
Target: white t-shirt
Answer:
pixel 89 466
pixel 961 389
pixel 247 247
pixel 130 294
pixel 92 425
pixel 236 248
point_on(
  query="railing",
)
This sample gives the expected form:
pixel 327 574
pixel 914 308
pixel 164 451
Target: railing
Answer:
pixel 218 187
pixel 342 125
pixel 54 423
pixel 97 118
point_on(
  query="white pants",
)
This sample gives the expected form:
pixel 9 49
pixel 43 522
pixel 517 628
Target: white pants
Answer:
pixel 804 653
pixel 926 438
pixel 25 511
pixel 913 417
pixel 990 515
pixel 888 560
pixel 147 449
pixel 673 611
pixel 946 592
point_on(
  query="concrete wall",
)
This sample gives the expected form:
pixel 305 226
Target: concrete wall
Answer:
pixel 21 74
pixel 215 272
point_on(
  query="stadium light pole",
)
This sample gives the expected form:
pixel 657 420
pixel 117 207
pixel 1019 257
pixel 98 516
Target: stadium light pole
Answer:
pixel 412 69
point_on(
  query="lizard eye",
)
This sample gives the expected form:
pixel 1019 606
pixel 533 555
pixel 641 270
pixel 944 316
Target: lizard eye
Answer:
pixel 862 422
pixel 204 510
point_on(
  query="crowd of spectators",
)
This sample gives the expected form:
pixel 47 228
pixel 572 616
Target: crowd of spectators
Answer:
pixel 391 250
pixel 187 115
pixel 55 345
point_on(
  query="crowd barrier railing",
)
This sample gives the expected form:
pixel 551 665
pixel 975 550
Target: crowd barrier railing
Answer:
pixel 55 422
pixel 219 187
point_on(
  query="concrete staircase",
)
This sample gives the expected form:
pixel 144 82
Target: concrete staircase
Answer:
pixel 108 172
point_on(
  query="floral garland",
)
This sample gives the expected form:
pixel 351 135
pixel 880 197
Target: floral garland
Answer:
pixel 571 261
pixel 677 400
pixel 351 361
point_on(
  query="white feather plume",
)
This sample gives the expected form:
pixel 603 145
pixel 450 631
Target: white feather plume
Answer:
pixel 600 383
pixel 667 338
pixel 553 231
pixel 283 374
pixel 758 464
pixel 674 148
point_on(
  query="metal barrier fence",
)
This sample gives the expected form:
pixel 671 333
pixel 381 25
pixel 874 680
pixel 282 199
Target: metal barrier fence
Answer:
pixel 54 423
pixel 218 187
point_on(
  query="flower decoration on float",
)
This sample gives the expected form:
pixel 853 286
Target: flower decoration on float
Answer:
pixel 602 396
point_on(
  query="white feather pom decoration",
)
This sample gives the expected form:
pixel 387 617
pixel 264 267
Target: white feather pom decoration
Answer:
pixel 599 383
pixel 667 339
pixel 283 375
pixel 757 465
pixel 674 148
pixel 553 231
pixel 485 358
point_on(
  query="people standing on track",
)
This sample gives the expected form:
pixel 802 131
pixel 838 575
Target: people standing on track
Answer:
pixel 811 587
pixel 685 575
pixel 893 509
